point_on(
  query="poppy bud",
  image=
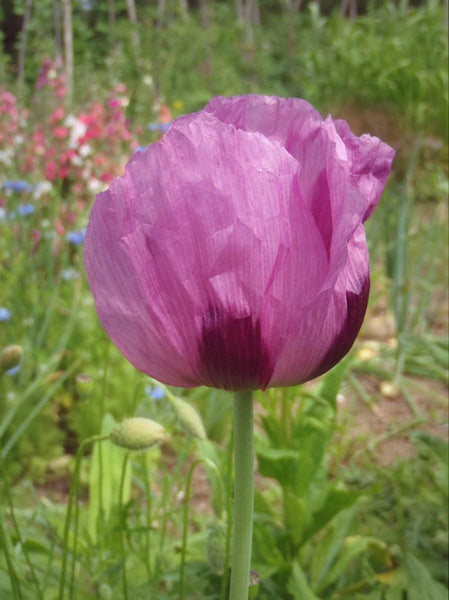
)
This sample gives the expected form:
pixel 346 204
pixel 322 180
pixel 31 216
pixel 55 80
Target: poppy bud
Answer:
pixel 188 418
pixel 10 357
pixel 137 433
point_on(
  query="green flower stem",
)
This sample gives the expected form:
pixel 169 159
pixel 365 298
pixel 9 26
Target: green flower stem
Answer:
pixel 72 495
pixel 123 527
pixel 244 495
pixel 229 472
pixel 212 466
pixel 16 592
pixel 148 514
pixel 17 530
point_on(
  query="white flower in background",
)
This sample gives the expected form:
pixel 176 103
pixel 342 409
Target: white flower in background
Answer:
pixel 41 188
pixel 70 274
pixel 18 139
pixel 148 80
pixel 84 150
pixel 6 156
pixel 95 185
pixel 70 121
pixel 2 214
pixel 76 160
pixel 77 130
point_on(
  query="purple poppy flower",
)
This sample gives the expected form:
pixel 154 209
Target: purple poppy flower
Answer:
pixel 232 252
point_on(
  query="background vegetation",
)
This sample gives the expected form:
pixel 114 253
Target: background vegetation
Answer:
pixel 352 491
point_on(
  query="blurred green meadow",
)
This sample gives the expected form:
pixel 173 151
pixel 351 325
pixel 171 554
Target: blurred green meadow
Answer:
pixel 351 481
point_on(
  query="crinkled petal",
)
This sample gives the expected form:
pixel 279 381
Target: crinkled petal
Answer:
pixel 341 175
pixel 370 162
pixel 325 330
pixel 185 253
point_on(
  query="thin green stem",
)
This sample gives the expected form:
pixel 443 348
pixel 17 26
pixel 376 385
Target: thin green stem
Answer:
pixel 17 530
pixel 17 594
pixel 100 449
pixel 148 515
pixel 213 466
pixel 72 495
pixel 224 579
pixel 123 527
pixel 244 495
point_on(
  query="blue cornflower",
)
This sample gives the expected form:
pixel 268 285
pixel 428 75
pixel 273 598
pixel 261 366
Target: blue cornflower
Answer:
pixel 14 370
pixel 159 126
pixel 17 186
pixel 155 392
pixel 140 149
pixel 76 237
pixel 25 209
pixel 5 314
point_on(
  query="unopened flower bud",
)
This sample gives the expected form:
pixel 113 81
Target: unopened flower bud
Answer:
pixel 137 433
pixel 188 418
pixel 83 383
pixel 10 357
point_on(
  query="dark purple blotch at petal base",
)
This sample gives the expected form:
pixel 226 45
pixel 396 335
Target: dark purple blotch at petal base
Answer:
pixel 356 309
pixel 232 353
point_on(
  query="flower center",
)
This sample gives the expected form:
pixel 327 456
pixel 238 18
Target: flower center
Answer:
pixel 232 352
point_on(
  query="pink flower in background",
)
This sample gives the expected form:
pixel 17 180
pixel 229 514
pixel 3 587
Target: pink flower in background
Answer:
pixel 60 132
pixel 232 253
pixel 57 115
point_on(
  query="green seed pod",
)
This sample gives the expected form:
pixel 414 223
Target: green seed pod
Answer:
pixel 10 357
pixel 137 433
pixel 84 384
pixel 216 547
pixel 188 418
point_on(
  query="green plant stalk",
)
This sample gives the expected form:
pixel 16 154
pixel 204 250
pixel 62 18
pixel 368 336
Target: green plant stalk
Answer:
pixel 244 495
pixel 17 594
pixel 100 453
pixel 17 530
pixel 123 527
pixel 185 519
pixel 148 514
pixel 72 493
pixel 224 579
pixel 185 522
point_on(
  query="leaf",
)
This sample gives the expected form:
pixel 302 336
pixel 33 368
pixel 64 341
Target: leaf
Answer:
pixel 353 547
pixel 297 516
pixel 421 584
pixel 437 445
pixel 279 463
pixel 331 382
pixel 328 548
pixel 298 586
pixel 108 475
pixel 336 501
